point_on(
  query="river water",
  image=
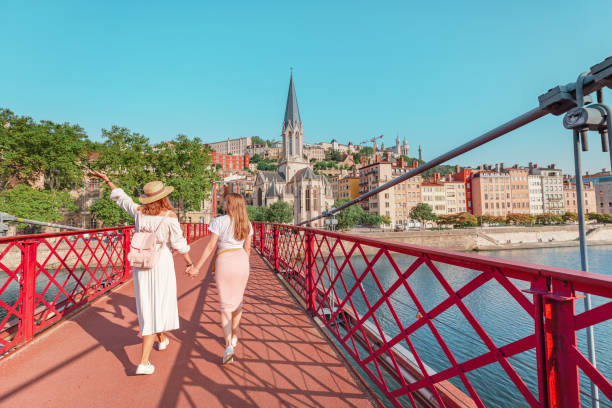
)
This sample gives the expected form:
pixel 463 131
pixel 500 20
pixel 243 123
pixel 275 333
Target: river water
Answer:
pixel 496 311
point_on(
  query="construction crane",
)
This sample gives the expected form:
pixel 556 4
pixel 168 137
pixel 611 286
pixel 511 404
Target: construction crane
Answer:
pixel 373 140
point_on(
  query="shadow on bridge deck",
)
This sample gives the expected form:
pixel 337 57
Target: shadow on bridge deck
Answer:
pixel 281 360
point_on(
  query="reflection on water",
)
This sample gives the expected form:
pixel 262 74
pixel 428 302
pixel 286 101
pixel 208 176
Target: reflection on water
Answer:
pixel 499 314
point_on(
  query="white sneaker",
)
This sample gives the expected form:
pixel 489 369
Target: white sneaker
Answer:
pixel 228 356
pixel 234 341
pixel 163 344
pixel 145 369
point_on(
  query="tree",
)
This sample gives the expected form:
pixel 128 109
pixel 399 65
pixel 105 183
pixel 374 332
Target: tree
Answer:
pixel 549 218
pixel 333 155
pixel 570 217
pixel 183 163
pixel 491 219
pixel 371 220
pixel 517 218
pixel 422 212
pixel 364 151
pixel 256 214
pixel 386 220
pixel 256 140
pixel 109 213
pixel 459 220
pixel 600 218
pixel 41 205
pixel 445 220
pixel 40 152
pixel 125 156
pixel 466 219
pixel 280 212
pixel 349 216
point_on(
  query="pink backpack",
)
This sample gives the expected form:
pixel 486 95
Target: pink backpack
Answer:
pixel 144 251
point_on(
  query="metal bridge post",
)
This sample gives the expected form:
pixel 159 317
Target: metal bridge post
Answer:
pixel 188 232
pixel 262 230
pixel 275 246
pixel 28 288
pixel 127 270
pixel 310 273
pixel 559 342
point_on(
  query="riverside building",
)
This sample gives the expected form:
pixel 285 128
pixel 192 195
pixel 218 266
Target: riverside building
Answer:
pixel 395 202
pixel 552 187
pixel 570 198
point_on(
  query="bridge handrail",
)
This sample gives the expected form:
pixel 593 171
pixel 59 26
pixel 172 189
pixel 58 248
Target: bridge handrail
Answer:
pixel 44 277
pixel 307 258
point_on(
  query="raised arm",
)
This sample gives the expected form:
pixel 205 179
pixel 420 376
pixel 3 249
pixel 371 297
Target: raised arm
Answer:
pixel 118 195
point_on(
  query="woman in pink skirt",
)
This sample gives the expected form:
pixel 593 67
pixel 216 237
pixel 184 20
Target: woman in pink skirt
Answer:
pixel 231 236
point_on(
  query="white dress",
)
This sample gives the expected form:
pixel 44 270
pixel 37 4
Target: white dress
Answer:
pixel 155 289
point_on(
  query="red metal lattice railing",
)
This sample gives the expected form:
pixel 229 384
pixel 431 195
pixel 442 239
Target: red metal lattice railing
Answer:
pixel 44 277
pixel 370 296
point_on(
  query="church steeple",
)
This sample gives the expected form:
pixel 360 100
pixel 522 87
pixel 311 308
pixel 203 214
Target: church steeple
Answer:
pixel 293 137
pixel 292 112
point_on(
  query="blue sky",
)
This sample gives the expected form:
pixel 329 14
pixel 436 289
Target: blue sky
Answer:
pixel 437 73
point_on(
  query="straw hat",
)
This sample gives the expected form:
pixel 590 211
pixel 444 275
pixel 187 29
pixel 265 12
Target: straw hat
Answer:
pixel 154 191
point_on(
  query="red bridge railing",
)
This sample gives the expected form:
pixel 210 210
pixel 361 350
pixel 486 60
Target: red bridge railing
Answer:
pixel 481 332
pixel 44 277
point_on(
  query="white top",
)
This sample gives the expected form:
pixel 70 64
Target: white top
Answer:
pixel 171 235
pixel 224 228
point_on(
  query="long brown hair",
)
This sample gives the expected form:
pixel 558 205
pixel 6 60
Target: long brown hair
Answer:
pixel 236 209
pixel 156 207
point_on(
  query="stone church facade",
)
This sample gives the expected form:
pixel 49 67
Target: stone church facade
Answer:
pixel 294 182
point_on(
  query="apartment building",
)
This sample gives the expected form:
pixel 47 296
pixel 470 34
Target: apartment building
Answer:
pixel 519 188
pixel 230 162
pixel 536 204
pixel 407 196
pixel 455 194
pixel 465 176
pixel 552 187
pixel 259 149
pixel 491 193
pixel 371 177
pixel 314 152
pixel 231 146
pixel 570 198
pixel 603 194
pixel 434 195
pixel 348 187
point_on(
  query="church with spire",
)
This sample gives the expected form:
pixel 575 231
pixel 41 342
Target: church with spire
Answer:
pixel 294 181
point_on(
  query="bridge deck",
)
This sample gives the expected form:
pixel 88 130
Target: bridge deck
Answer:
pixel 281 360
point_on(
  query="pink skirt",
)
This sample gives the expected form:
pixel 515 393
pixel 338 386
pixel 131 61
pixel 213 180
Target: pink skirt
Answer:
pixel 231 275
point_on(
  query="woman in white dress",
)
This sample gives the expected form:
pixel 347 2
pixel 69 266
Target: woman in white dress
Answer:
pixel 154 289
pixel 231 237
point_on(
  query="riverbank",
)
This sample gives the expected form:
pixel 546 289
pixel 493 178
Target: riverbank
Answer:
pixel 497 238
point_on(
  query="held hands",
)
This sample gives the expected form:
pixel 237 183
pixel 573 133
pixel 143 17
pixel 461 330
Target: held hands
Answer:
pixel 192 271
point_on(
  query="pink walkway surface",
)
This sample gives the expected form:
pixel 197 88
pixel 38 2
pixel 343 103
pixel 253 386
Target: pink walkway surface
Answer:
pixel 281 360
